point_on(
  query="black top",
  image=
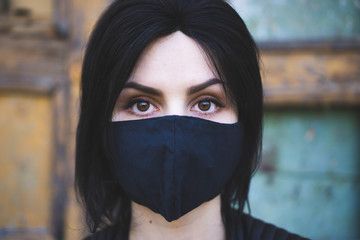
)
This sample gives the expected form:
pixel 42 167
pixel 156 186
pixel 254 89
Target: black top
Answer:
pixel 250 229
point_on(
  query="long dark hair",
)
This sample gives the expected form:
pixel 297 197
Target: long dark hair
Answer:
pixel 122 33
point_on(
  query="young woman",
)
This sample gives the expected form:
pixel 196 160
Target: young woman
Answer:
pixel 170 125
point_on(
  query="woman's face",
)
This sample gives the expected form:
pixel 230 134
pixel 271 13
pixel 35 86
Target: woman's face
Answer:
pixel 172 77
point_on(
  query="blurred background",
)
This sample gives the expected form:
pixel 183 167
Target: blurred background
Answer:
pixel 309 180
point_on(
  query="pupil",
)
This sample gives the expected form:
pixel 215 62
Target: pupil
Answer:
pixel 143 106
pixel 204 105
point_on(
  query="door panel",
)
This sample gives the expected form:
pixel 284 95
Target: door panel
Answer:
pixel 25 158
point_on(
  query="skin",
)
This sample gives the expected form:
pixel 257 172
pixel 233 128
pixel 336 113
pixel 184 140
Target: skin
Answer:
pixel 173 77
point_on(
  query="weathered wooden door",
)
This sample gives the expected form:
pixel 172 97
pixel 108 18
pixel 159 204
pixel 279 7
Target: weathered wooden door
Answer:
pixel 41 44
pixel 33 121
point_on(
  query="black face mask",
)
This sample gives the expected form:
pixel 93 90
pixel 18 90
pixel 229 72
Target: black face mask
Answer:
pixel 173 164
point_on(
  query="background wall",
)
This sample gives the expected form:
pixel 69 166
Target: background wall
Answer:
pixel 308 181
pixel 285 20
pixel 309 178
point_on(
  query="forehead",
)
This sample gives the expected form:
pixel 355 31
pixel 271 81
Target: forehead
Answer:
pixel 175 58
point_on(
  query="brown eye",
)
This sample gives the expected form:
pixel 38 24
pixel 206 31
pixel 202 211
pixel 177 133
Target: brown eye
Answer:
pixel 204 105
pixel 143 106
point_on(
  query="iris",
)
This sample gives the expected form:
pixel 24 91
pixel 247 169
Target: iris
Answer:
pixel 204 105
pixel 143 106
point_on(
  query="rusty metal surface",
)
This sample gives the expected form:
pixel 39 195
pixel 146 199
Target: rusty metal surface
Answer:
pixel 281 20
pixel 310 174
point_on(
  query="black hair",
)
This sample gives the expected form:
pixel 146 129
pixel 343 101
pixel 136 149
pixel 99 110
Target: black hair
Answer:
pixel 122 33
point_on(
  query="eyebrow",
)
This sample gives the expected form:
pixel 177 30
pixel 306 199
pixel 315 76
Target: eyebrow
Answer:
pixel 156 92
pixel 201 86
pixel 143 88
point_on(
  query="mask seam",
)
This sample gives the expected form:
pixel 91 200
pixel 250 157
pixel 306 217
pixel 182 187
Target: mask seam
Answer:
pixel 174 163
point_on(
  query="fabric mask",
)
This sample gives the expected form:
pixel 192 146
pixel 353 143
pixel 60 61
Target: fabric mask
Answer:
pixel 173 164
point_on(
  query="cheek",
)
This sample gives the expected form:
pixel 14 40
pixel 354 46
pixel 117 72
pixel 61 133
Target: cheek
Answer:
pixel 227 116
pixel 120 114
pixel 115 116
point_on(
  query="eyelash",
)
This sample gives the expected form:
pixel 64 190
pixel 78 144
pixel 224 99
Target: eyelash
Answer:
pixel 132 103
pixel 217 103
pixel 212 100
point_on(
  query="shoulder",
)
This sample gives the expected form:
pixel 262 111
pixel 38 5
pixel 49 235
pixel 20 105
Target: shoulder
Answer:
pixel 255 229
pixel 109 233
